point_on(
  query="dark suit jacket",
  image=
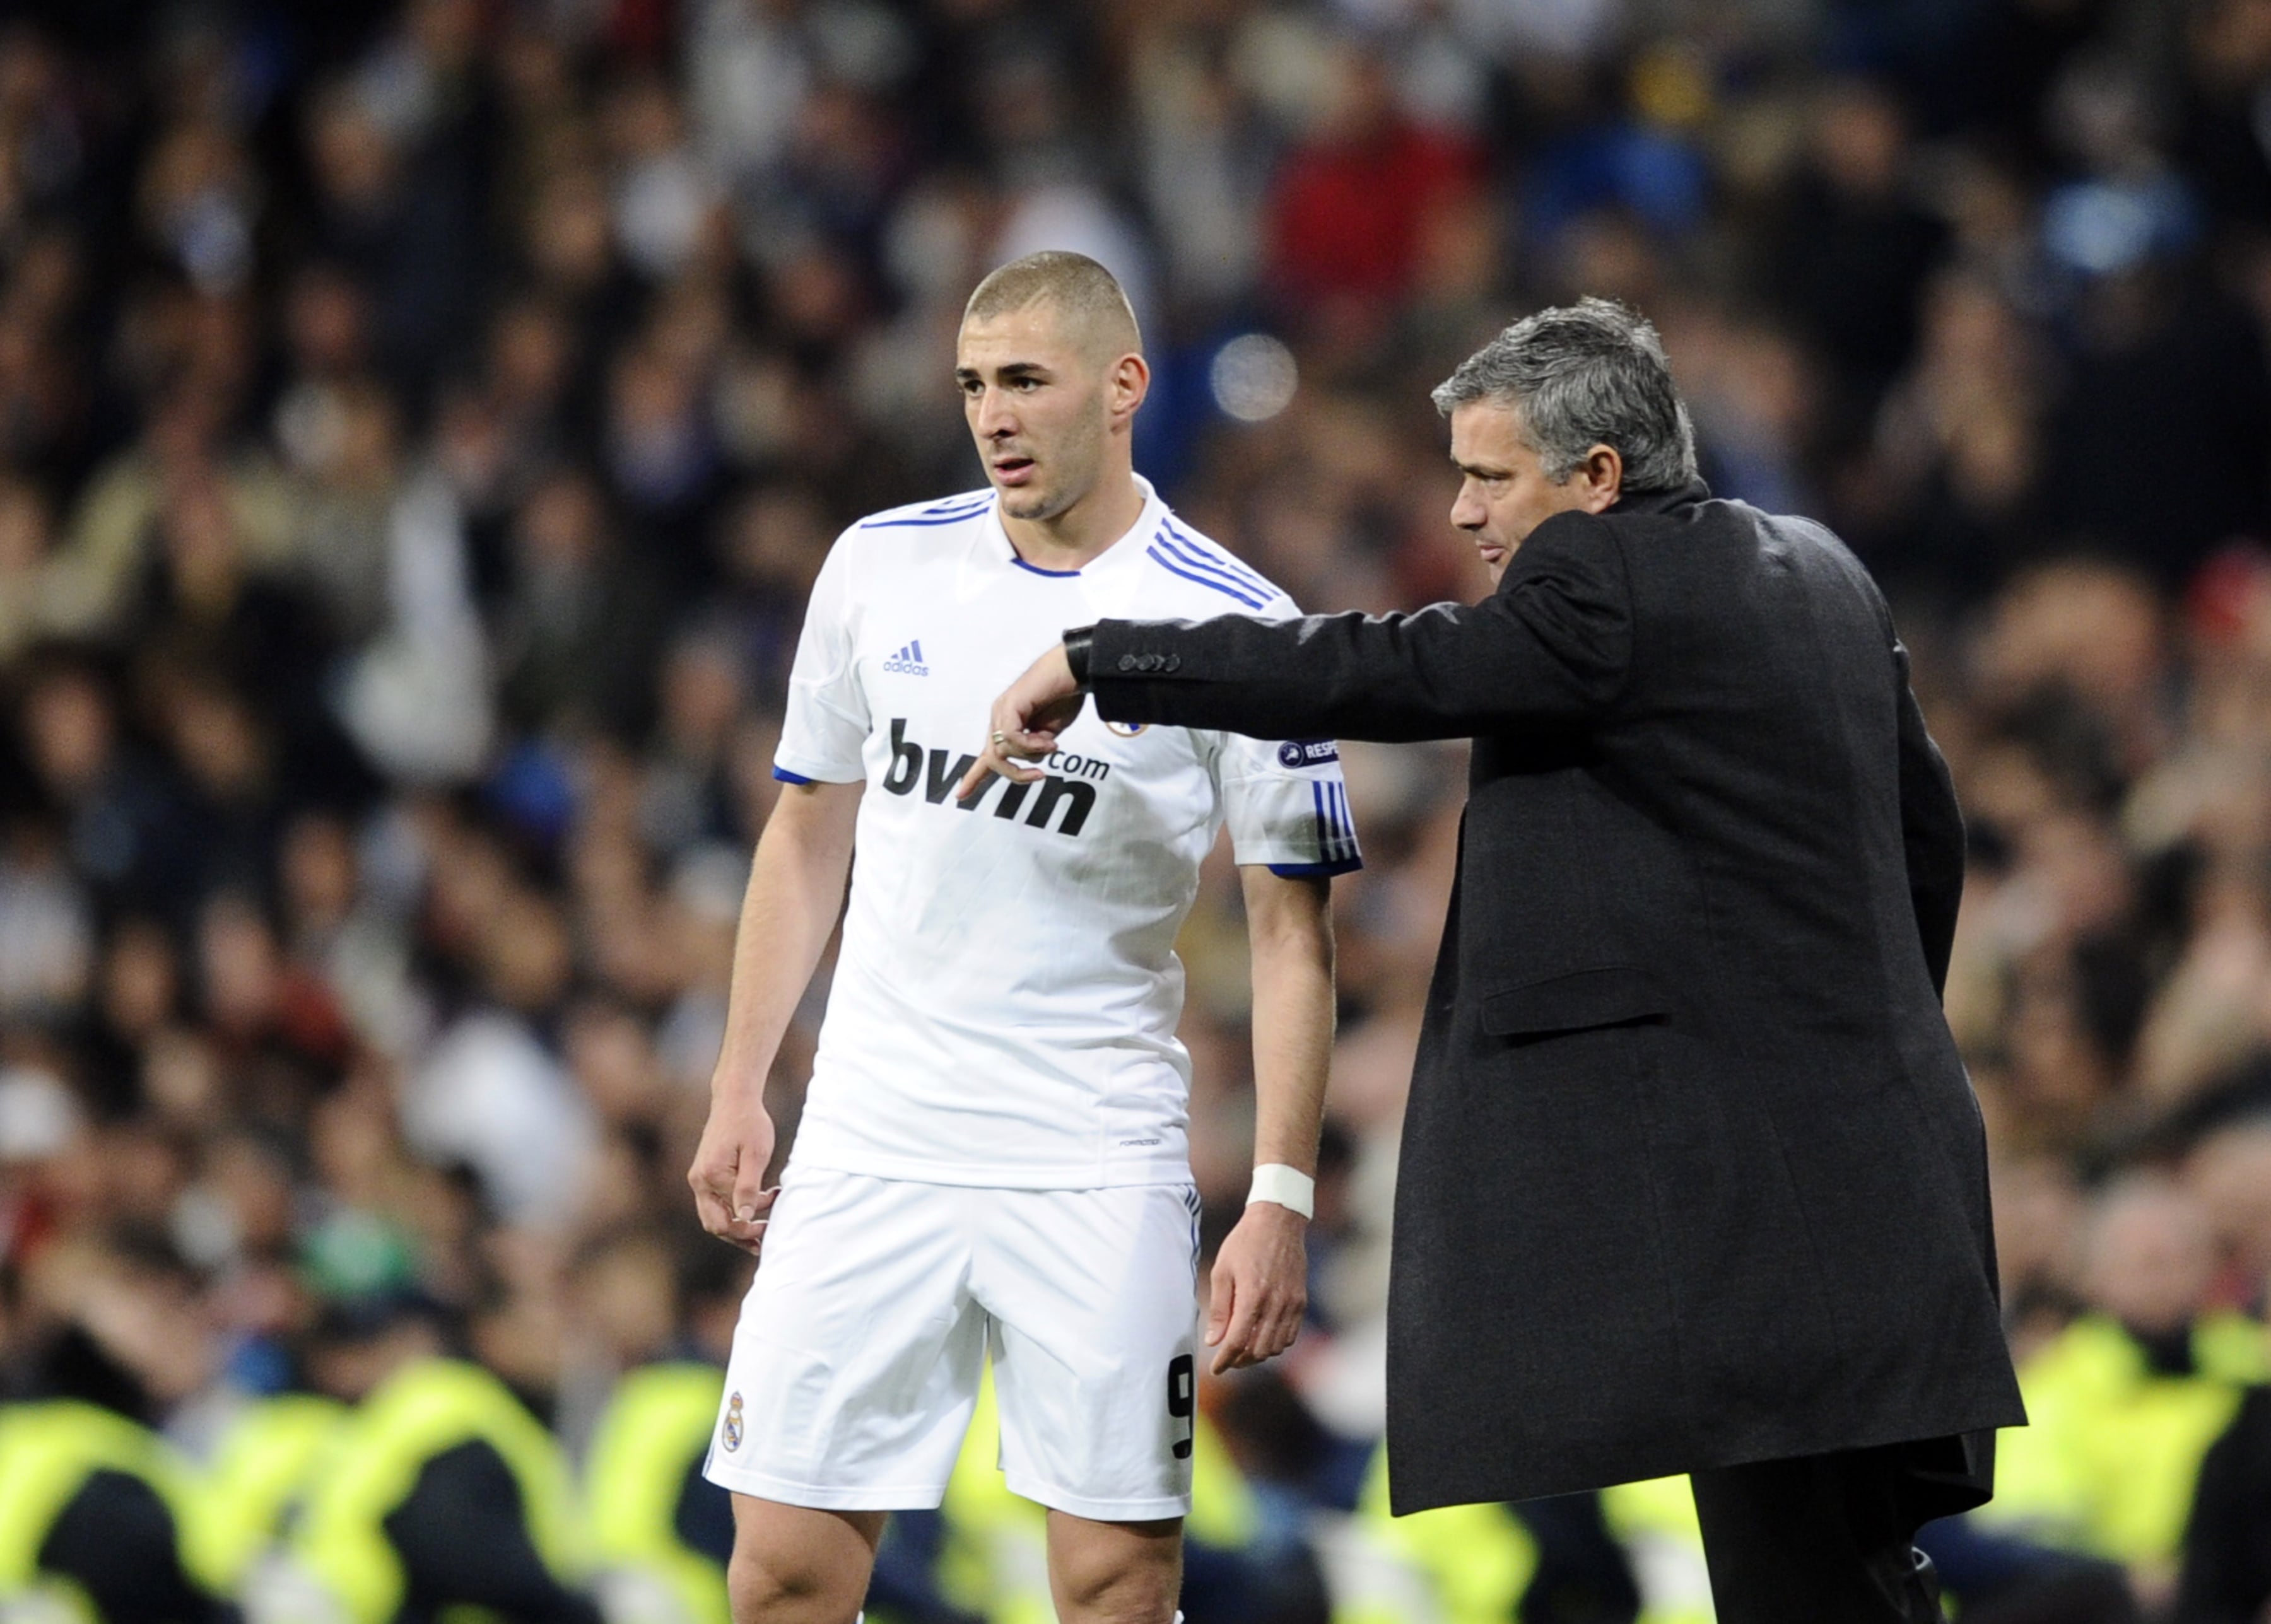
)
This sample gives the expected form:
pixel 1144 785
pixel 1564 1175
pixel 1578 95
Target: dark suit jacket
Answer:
pixel 1692 1172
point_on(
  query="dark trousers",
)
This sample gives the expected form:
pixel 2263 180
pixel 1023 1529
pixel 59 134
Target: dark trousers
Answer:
pixel 1819 1539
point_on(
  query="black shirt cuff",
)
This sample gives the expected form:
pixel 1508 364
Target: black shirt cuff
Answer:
pixel 1077 644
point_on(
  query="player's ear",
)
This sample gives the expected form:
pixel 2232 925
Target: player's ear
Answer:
pixel 1126 385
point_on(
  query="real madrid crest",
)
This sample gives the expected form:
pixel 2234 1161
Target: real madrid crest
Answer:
pixel 1127 730
pixel 733 1422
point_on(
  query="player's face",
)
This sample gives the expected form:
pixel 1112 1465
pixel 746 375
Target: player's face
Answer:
pixel 1040 406
pixel 1503 491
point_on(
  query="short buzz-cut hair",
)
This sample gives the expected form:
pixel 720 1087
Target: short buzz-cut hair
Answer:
pixel 1580 375
pixel 1077 285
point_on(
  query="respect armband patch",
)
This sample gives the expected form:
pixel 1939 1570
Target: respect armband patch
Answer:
pixel 1307 752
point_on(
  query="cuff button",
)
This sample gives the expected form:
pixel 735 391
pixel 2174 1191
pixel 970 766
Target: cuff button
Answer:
pixel 1127 662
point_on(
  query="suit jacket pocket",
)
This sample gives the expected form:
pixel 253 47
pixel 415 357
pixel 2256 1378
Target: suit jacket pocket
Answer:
pixel 1607 997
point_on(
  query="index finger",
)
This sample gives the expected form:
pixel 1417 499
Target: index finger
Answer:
pixel 996 760
pixel 982 772
pixel 1236 1348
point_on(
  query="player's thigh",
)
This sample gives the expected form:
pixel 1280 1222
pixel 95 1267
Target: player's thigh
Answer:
pixel 1114 1573
pixel 1093 1298
pixel 856 1360
pixel 800 1561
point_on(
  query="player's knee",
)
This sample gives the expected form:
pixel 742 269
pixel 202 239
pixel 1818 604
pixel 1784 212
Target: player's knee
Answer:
pixel 1131 1598
pixel 1124 1585
pixel 785 1587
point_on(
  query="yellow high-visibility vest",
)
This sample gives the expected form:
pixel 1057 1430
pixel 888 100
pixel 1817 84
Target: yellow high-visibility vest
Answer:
pixel 656 1425
pixel 47 1451
pixel 1474 1562
pixel 996 1558
pixel 1655 1522
pixel 2113 1452
pixel 421 1411
pixel 268 1459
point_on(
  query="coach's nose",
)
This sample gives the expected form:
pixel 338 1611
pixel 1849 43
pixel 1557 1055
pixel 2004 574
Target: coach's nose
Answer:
pixel 1468 509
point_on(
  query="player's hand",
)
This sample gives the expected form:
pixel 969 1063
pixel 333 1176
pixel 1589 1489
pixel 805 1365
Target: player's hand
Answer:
pixel 728 1173
pixel 1027 721
pixel 1261 1288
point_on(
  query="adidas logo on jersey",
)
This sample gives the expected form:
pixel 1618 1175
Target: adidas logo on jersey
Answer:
pixel 1064 797
pixel 908 662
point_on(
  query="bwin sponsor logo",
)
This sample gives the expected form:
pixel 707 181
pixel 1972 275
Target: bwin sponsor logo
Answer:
pixel 908 662
pixel 938 773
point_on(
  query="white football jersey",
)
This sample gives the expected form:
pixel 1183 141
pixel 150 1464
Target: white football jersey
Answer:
pixel 1004 1011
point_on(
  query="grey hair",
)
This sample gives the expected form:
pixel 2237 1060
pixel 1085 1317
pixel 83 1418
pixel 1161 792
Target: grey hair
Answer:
pixel 1580 375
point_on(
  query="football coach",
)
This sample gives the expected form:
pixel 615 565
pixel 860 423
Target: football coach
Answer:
pixel 1692 1178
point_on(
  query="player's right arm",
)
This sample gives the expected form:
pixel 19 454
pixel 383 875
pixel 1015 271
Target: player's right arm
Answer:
pixel 796 890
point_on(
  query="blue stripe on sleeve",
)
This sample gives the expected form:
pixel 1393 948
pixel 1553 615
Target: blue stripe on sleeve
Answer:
pixel 1170 566
pixel 1194 559
pixel 1222 558
pixel 788 777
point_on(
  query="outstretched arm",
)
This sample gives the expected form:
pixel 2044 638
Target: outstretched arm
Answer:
pixel 1261 1275
pixel 1549 648
pixel 796 889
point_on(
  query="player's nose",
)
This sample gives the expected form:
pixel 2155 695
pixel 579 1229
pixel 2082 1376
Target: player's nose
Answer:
pixel 996 420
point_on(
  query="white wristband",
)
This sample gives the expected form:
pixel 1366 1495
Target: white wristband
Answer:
pixel 1288 1187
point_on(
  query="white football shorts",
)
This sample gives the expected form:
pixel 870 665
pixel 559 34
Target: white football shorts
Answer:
pixel 861 1343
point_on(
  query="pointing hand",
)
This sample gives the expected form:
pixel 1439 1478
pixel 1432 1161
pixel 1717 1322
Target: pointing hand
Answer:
pixel 1027 719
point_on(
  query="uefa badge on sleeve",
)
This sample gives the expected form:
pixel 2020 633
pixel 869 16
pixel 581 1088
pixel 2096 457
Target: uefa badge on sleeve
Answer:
pixel 733 1422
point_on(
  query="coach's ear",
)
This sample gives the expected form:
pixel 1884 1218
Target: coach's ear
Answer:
pixel 1600 478
pixel 1126 385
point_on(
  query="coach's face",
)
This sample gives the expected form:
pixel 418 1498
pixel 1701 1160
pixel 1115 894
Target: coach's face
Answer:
pixel 1503 491
pixel 1044 400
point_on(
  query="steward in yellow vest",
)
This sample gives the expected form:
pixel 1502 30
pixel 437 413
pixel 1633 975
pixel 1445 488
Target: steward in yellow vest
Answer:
pixel 97 1520
pixel 653 1513
pixel 267 1459
pixel 2124 1404
pixel 661 1308
pixel 2118 1425
pixel 442 1494
pixel 1568 1556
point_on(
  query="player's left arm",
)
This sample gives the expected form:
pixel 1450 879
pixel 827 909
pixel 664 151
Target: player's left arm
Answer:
pixel 1261 1275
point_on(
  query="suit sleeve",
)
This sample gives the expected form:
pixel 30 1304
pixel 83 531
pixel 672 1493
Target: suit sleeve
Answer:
pixel 1550 649
pixel 1932 831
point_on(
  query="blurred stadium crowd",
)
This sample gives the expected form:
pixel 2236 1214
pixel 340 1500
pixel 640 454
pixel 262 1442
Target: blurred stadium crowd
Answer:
pixel 420 421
